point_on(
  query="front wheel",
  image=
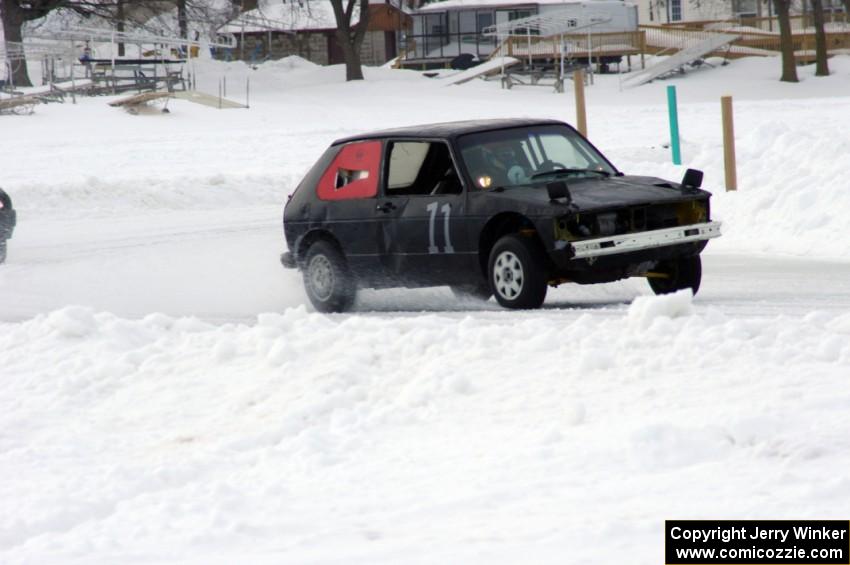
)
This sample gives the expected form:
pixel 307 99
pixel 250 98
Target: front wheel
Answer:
pixel 677 274
pixel 327 279
pixel 517 273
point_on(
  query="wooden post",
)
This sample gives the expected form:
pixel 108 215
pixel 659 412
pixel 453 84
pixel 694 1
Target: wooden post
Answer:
pixel 581 112
pixel 729 143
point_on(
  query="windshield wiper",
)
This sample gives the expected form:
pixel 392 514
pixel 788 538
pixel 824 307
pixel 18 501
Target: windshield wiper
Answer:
pixel 554 172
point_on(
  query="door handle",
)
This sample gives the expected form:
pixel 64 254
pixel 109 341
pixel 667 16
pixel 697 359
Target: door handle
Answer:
pixel 386 207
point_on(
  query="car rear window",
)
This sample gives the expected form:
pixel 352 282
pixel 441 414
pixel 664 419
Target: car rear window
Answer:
pixel 353 173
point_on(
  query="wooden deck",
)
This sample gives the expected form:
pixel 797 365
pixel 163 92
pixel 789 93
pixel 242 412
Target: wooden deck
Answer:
pixel 18 104
pixel 758 37
pixel 139 99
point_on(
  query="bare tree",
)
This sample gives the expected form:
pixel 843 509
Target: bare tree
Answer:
pixel 349 37
pixel 786 40
pixel 15 13
pixel 822 67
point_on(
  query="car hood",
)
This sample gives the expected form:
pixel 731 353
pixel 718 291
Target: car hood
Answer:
pixel 604 193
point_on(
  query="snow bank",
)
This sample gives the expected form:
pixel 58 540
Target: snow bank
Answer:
pixel 428 438
pixel 645 309
pixel 95 195
pixel 290 63
pixel 793 197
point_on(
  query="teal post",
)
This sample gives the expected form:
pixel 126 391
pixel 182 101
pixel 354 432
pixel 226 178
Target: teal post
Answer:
pixel 674 125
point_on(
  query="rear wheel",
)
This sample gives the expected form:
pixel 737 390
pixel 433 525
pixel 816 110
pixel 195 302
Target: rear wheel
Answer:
pixel 517 272
pixel 327 279
pixel 677 274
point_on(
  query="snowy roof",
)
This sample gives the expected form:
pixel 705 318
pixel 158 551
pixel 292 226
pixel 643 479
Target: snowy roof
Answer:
pixel 293 15
pixel 460 4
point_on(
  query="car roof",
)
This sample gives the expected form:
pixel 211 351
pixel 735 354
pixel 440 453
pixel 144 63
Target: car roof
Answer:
pixel 447 130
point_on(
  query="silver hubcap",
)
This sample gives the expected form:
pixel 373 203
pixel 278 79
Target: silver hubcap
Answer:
pixel 508 275
pixel 320 277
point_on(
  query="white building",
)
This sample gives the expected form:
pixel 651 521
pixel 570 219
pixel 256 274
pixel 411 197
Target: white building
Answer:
pixel 444 30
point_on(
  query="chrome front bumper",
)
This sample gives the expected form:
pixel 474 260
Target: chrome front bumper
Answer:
pixel 614 244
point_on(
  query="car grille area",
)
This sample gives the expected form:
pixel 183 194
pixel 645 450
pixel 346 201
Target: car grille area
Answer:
pixel 631 219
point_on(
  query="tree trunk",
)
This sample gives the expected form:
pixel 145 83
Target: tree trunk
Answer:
pixel 182 19
pixel 119 26
pixel 822 67
pixel 789 63
pixel 847 11
pixel 353 67
pixel 13 20
pixel 351 38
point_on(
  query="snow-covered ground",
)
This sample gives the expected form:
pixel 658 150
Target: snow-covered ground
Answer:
pixel 168 396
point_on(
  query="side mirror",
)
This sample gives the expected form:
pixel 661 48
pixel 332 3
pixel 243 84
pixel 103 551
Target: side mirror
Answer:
pixel 559 189
pixel 692 179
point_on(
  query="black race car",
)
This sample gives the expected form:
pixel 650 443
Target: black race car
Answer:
pixel 505 207
pixel 7 222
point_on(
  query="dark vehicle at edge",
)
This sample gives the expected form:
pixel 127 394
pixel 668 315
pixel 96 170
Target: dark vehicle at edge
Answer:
pixel 505 207
pixel 7 222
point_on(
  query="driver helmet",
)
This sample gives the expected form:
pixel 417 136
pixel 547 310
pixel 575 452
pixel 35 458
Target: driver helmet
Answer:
pixel 501 153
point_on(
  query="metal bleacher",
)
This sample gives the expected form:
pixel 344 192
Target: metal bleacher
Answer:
pixel 679 60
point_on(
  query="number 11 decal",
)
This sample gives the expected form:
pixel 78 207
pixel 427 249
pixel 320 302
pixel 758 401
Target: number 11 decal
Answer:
pixel 447 212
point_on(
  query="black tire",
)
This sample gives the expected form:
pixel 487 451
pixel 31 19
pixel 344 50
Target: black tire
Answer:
pixel 327 279
pixel 2 251
pixel 517 272
pixel 682 273
pixel 473 291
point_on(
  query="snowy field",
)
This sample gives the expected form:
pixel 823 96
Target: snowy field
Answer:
pixel 169 396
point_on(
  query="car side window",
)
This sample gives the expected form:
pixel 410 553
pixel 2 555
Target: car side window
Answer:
pixel 421 168
pixel 353 173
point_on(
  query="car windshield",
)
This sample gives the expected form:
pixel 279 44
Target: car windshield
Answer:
pixel 522 156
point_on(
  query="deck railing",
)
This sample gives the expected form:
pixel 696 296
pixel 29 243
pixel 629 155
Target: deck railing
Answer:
pixel 835 19
pixel 575 45
pixel 670 39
